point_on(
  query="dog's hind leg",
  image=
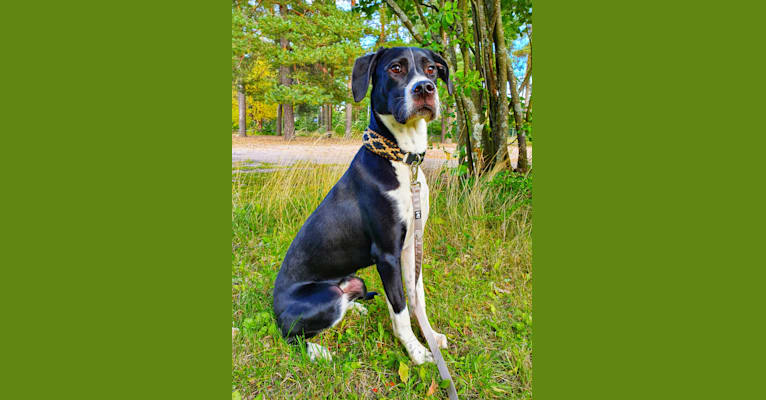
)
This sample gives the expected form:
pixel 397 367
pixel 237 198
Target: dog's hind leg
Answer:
pixel 355 287
pixel 307 308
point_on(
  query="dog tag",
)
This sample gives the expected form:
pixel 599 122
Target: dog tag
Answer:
pixel 417 214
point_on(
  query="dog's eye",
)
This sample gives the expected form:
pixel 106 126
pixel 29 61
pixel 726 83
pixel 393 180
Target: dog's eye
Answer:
pixel 396 68
pixel 430 69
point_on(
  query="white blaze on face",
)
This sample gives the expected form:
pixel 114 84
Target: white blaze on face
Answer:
pixel 409 103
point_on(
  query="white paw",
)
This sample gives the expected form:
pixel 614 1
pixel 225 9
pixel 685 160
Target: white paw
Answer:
pixel 316 351
pixel 418 353
pixel 441 340
pixel 358 307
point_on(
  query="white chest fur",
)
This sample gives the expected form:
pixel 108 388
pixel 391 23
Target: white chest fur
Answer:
pixel 401 198
pixel 411 137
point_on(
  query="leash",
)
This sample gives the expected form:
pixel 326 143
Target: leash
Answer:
pixel 420 315
pixel 387 149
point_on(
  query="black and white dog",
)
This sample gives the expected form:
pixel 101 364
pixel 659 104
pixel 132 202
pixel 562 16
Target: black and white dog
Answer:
pixel 367 217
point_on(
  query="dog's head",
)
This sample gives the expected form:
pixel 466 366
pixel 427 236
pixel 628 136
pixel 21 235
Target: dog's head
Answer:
pixel 403 82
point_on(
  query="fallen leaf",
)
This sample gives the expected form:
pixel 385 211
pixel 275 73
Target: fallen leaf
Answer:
pixel 404 372
pixel 432 388
pixel 235 395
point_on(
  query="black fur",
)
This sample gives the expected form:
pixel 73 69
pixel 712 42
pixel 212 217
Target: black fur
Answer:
pixel 355 226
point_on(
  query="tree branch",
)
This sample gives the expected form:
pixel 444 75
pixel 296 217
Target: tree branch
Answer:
pixel 528 74
pixel 406 21
pixel 420 13
pixel 424 4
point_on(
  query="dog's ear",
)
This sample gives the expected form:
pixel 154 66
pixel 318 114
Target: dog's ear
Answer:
pixel 360 77
pixel 443 71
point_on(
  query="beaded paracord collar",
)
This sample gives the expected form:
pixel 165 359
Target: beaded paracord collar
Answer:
pixel 387 149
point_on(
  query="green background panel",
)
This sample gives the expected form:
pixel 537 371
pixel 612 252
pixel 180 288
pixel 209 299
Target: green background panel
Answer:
pixel 116 180
pixel 646 213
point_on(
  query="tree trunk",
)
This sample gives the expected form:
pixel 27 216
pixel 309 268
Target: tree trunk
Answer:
pixel 382 36
pixel 320 119
pixel 488 144
pixel 349 101
pixel 523 164
pixel 279 120
pixel 527 86
pixel 242 104
pixel 284 79
pixel 328 118
pixel 289 121
pixel 528 95
pixel 528 115
pixel 349 117
pixel 500 130
pixel 469 148
pixel 444 126
pixel 450 111
pixel 468 119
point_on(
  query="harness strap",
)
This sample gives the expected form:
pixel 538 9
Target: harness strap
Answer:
pixel 420 315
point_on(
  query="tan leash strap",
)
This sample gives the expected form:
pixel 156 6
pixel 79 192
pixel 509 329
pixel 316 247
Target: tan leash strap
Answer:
pixel 420 315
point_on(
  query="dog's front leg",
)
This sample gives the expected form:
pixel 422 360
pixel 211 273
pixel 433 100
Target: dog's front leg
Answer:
pixel 415 292
pixel 389 268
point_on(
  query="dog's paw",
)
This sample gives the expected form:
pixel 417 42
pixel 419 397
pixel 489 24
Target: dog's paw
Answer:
pixel 441 340
pixel 358 307
pixel 316 351
pixel 418 353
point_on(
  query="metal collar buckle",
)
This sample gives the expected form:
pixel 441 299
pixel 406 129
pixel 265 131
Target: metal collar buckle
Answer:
pixel 414 174
pixel 417 159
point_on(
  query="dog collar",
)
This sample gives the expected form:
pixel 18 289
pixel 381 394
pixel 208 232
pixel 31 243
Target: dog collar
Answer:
pixel 385 148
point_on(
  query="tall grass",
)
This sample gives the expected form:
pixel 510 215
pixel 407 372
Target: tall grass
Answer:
pixel 477 273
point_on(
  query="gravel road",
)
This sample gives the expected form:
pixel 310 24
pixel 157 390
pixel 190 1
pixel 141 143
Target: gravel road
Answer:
pixel 255 150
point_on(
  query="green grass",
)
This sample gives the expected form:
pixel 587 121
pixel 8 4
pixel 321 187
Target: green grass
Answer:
pixel 477 273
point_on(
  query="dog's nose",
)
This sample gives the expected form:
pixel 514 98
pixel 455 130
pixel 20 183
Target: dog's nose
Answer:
pixel 423 88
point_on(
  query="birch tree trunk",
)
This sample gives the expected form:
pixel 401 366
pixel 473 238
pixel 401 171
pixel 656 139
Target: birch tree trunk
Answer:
pixel 242 104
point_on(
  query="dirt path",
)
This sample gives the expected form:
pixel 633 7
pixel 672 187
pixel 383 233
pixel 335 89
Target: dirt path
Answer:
pixel 255 150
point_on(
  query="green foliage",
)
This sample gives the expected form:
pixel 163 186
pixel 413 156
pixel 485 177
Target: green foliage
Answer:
pixel 323 42
pixel 466 82
pixel 508 183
